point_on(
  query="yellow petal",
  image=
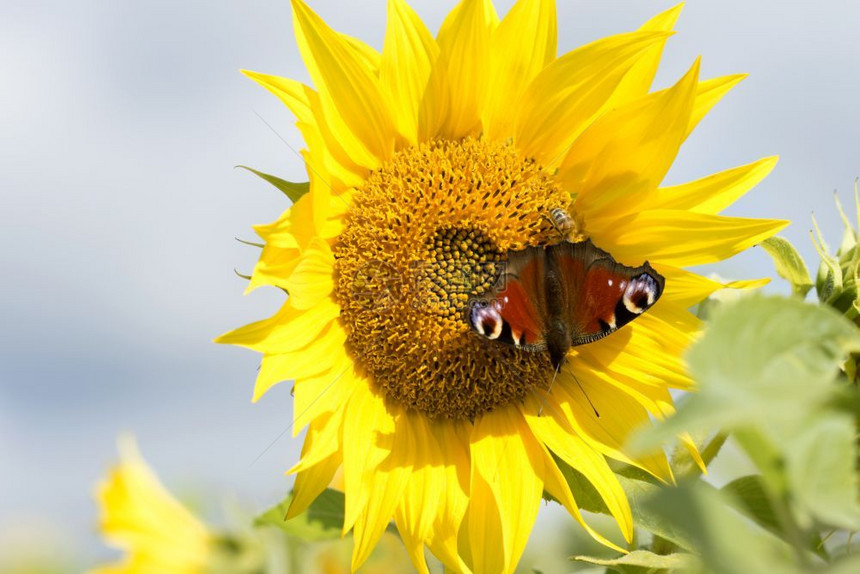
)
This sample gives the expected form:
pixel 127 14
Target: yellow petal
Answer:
pixel 578 394
pixel 322 441
pixel 310 483
pixel 138 514
pixel 371 59
pixel 556 485
pixel 349 91
pixel 682 238
pixel 636 353
pixel 451 508
pixel 368 437
pixel 280 233
pixel 329 166
pixel 295 95
pixel 674 322
pixel 708 93
pixel 574 451
pixel 273 267
pixel 566 96
pixel 609 207
pixel 637 81
pixel 628 151
pixel 691 447
pixel 464 41
pixel 504 462
pixel 313 278
pixel 415 514
pixel 652 394
pixel 388 482
pixel 326 391
pixel 714 193
pixel 318 357
pixel 288 330
pixel 684 287
pixel 295 226
pixel 408 57
pixel 523 44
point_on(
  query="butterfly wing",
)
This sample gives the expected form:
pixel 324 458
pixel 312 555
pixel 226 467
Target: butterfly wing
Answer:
pixel 512 313
pixel 600 294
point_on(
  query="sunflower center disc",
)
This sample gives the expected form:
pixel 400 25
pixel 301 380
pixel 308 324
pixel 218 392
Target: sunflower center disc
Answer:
pixel 428 231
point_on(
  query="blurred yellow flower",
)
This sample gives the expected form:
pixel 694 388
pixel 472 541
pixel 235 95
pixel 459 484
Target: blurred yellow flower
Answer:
pixel 443 154
pixel 138 515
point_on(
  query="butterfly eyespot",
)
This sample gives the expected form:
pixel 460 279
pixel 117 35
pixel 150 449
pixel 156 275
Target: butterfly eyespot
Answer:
pixel 485 319
pixel 641 294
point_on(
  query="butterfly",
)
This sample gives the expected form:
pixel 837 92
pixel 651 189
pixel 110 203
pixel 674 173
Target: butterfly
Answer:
pixel 554 297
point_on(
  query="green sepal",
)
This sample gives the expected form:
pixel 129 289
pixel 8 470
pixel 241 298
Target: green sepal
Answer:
pixel 644 561
pixel 828 283
pixel 789 264
pixel 251 243
pixel 291 189
pixel 682 462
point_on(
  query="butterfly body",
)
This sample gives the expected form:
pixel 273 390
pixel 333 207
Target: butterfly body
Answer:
pixel 551 298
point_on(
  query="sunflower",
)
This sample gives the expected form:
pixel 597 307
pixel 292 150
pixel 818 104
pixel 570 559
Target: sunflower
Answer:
pixel 428 163
pixel 139 515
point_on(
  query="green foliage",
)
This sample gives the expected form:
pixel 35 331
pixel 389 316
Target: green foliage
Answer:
pixel 292 190
pixel 770 374
pixel 726 542
pixel 764 361
pixel 323 520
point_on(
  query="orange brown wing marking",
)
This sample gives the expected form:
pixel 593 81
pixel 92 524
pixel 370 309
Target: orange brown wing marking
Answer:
pixel 520 315
pixel 601 294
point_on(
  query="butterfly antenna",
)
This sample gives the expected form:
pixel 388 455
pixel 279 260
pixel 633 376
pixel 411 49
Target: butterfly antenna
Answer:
pixel 587 398
pixel 551 383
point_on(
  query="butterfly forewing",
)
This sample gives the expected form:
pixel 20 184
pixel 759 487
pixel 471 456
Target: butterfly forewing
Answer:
pixel 602 295
pixel 512 314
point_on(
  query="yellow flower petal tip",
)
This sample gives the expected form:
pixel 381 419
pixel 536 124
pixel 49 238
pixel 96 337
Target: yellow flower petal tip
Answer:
pixel 430 163
pixel 139 516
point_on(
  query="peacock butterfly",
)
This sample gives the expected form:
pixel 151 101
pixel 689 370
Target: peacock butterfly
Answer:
pixel 554 297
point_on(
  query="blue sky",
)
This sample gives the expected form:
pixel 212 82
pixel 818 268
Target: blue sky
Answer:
pixel 120 124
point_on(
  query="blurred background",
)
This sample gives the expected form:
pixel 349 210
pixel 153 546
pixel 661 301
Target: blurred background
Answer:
pixel 120 124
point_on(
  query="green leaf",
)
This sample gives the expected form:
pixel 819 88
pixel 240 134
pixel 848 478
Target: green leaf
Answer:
pixel 643 559
pixel 639 494
pixel 789 264
pixel 748 495
pixel 821 472
pixel 727 543
pixel 323 520
pixel 292 190
pixel 846 565
pixel 638 486
pixel 765 360
pixel 753 501
pixel 587 497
